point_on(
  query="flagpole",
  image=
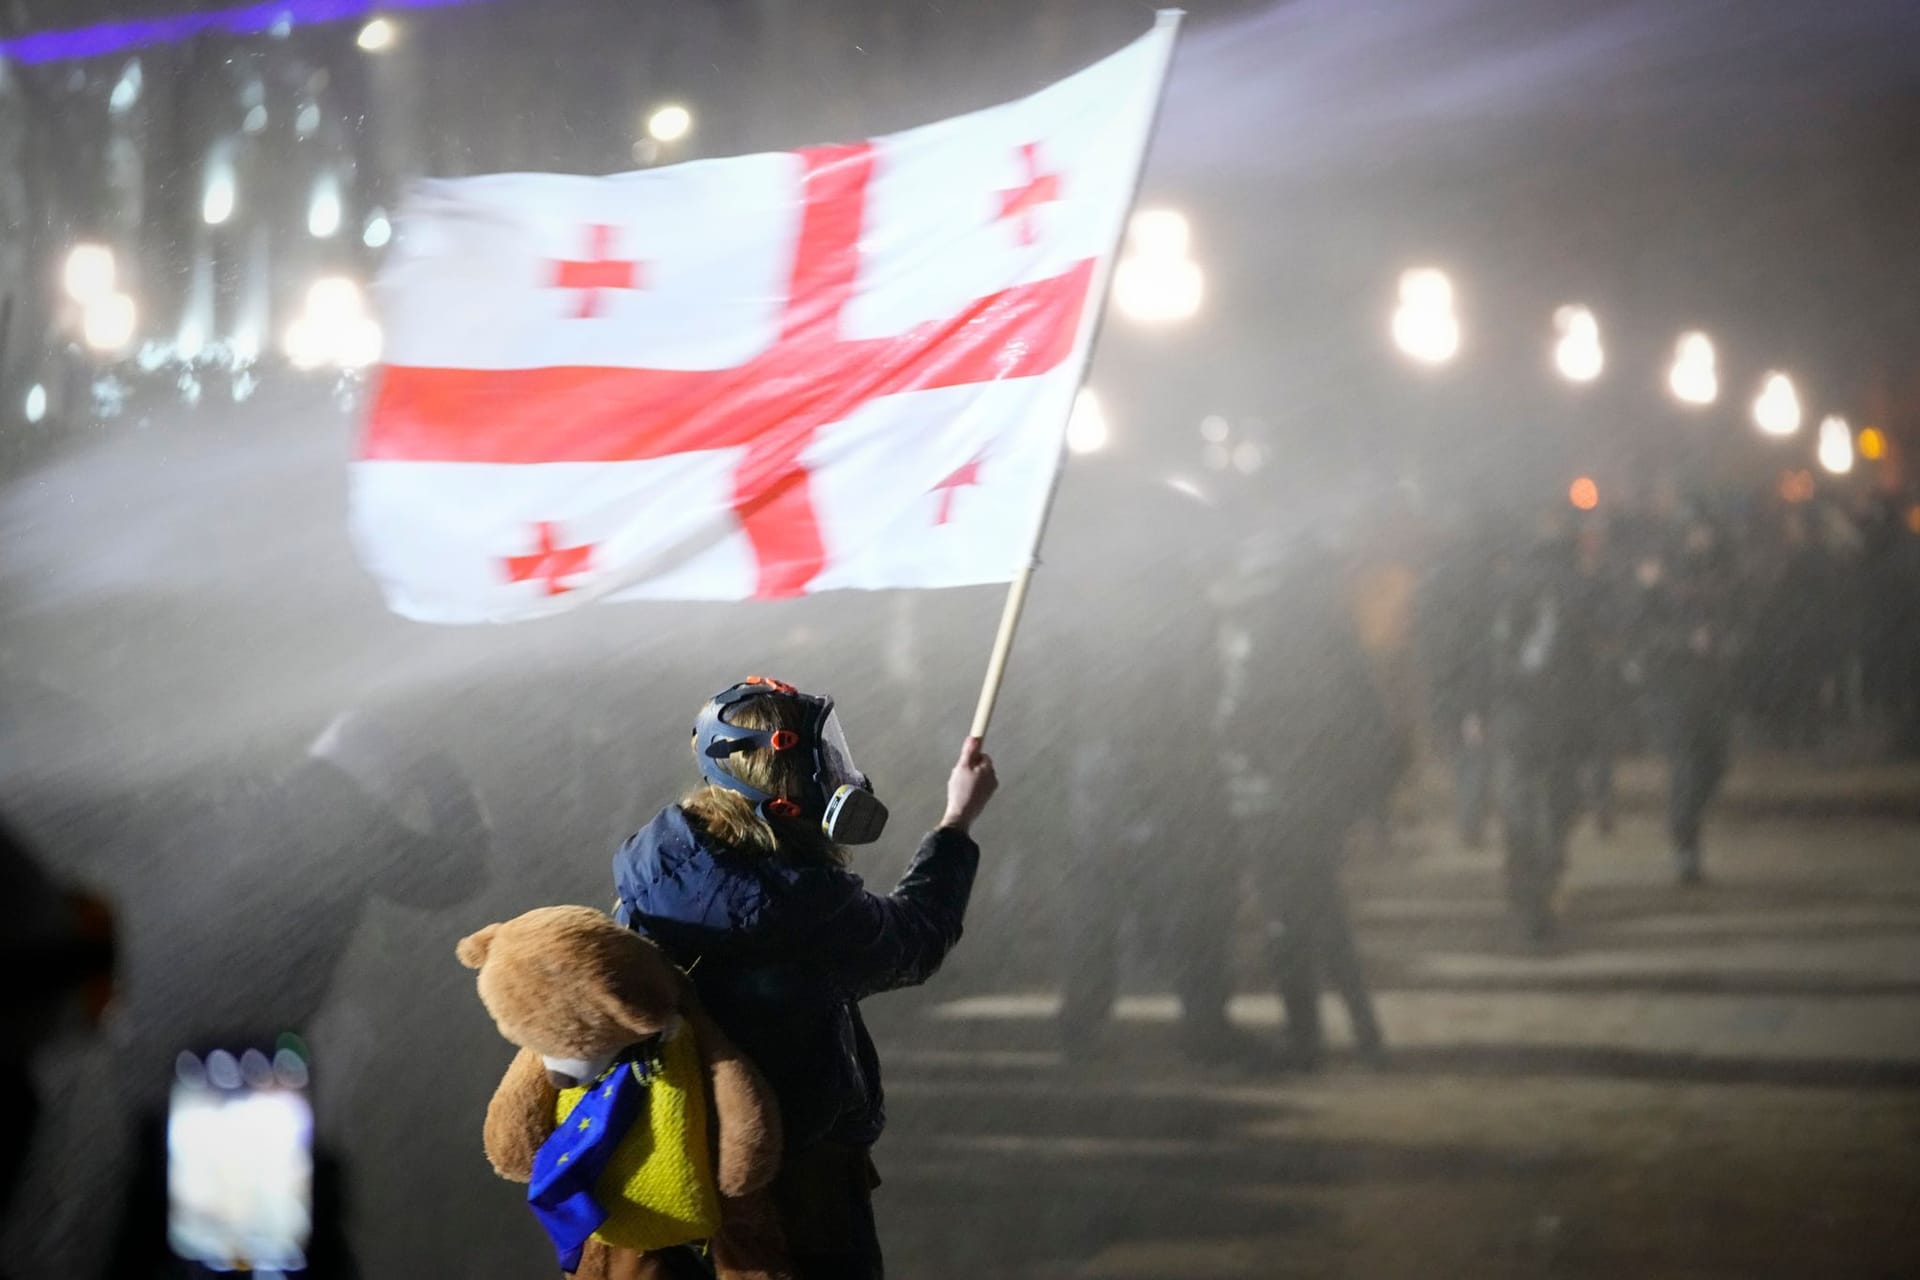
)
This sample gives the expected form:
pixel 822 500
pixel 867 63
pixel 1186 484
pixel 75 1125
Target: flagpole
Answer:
pixel 1017 592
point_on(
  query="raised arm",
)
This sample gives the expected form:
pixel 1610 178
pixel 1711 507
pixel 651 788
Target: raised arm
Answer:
pixel 881 942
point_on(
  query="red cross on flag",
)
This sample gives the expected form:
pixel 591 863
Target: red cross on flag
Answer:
pixel 842 367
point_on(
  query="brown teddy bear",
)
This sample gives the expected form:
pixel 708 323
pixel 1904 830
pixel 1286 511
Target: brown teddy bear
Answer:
pixel 580 995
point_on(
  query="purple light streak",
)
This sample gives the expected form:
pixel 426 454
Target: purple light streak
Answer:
pixel 115 37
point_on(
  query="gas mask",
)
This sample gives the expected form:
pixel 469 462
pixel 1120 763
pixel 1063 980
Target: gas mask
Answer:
pixel 839 793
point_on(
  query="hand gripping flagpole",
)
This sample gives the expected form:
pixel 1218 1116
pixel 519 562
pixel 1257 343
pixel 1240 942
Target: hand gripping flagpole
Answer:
pixel 1017 592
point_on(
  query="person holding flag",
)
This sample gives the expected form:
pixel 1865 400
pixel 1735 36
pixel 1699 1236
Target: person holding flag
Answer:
pixel 744 885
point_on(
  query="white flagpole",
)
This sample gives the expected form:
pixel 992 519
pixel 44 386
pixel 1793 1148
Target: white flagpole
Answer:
pixel 1017 592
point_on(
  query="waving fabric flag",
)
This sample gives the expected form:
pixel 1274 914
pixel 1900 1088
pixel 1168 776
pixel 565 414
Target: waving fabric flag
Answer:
pixel 842 367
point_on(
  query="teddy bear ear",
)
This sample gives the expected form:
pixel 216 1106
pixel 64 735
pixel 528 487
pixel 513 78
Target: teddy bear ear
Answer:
pixel 472 949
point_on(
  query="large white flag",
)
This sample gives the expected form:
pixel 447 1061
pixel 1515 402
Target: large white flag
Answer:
pixel 846 366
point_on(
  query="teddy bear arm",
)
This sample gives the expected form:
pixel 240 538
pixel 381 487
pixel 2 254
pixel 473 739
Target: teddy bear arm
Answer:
pixel 752 1244
pixel 520 1117
pixel 746 1115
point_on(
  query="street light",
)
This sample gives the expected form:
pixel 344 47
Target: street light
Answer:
pixel 108 323
pixel 1424 324
pixel 36 405
pixel 89 273
pixel 323 212
pixel 1776 410
pixel 1157 282
pixel 1087 425
pixel 217 205
pixel 1693 378
pixel 334 328
pixel 670 123
pixel 1836 445
pixel 126 91
pixel 1577 354
pixel 376 36
pixel 1160 233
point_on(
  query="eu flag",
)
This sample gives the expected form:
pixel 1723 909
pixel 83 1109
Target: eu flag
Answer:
pixel 571 1160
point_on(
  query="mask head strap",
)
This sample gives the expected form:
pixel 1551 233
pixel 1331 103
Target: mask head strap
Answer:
pixel 715 739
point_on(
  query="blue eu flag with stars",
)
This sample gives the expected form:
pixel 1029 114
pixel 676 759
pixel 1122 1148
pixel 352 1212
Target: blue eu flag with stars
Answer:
pixel 571 1160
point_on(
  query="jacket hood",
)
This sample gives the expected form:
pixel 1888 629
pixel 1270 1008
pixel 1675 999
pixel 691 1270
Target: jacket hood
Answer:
pixel 690 892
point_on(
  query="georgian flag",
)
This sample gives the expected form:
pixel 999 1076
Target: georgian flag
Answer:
pixel 846 366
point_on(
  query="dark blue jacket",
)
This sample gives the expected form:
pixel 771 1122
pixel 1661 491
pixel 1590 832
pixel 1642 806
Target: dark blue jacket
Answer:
pixel 782 954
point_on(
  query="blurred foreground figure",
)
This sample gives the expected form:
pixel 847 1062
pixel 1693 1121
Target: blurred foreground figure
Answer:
pixel 1688 647
pixel 1543 725
pixel 235 928
pixel 56 974
pixel 1309 750
pixel 367 812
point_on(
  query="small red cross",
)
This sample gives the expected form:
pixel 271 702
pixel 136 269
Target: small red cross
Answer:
pixel 1040 188
pixel 965 478
pixel 549 563
pixel 600 270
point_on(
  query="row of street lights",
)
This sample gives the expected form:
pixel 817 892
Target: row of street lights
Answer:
pixel 1426 328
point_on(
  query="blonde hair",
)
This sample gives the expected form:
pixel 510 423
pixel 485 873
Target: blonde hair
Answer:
pixel 735 821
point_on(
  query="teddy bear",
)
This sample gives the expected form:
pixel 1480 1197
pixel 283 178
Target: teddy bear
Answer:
pixel 586 1001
